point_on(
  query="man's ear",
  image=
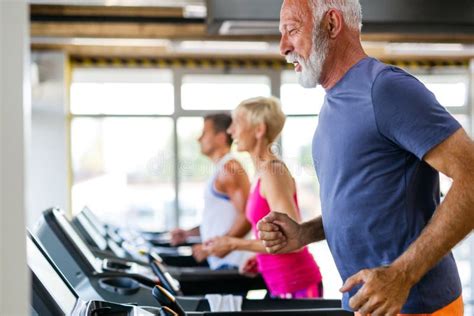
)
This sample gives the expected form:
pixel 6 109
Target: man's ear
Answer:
pixel 222 136
pixel 334 23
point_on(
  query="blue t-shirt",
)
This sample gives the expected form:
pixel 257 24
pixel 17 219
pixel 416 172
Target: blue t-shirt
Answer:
pixel 377 194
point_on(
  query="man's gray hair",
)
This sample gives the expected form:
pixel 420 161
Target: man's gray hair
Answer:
pixel 350 9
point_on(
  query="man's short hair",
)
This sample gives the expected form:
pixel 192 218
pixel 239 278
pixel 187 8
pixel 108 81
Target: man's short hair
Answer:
pixel 221 123
pixel 351 11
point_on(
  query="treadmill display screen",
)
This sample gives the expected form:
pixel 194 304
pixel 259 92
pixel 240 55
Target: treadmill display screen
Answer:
pixel 94 220
pixel 77 240
pixel 48 276
pixel 99 240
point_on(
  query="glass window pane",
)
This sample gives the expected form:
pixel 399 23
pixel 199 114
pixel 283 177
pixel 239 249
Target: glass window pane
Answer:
pixel 122 91
pixel 221 92
pixel 296 139
pixel 194 171
pixel 450 90
pixel 297 100
pixel 123 170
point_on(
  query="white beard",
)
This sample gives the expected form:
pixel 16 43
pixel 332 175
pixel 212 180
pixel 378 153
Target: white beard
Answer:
pixel 311 69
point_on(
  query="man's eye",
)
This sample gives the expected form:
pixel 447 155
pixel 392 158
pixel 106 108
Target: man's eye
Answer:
pixel 292 31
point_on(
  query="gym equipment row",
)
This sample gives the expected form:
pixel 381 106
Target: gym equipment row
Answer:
pixel 102 281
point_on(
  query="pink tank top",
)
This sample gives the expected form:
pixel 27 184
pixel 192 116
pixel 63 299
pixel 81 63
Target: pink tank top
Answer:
pixel 284 273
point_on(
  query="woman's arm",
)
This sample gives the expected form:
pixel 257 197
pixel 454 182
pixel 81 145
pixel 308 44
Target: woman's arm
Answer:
pixel 222 246
pixel 278 188
pixel 247 245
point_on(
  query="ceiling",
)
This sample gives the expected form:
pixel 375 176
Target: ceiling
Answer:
pixel 127 3
pixel 179 28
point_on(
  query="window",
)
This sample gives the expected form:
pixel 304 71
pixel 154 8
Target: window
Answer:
pixel 297 100
pixel 450 90
pixel 221 92
pixel 126 164
pixel 123 170
pixel 123 165
pixel 122 91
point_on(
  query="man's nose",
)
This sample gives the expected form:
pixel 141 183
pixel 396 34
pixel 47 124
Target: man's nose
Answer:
pixel 285 45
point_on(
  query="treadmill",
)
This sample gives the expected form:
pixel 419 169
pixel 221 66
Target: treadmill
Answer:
pixel 201 304
pixel 52 294
pixel 100 244
pixel 133 249
pixel 74 257
pixel 134 242
pixel 166 299
pixel 91 277
pixel 225 281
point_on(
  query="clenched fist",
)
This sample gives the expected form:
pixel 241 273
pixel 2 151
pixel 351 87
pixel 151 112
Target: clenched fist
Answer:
pixel 279 233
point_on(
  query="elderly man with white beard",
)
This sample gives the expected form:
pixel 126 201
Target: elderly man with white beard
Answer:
pixel 381 140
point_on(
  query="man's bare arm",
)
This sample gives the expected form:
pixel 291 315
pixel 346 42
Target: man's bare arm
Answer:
pixel 193 231
pixel 454 218
pixel 179 235
pixel 235 183
pixel 452 221
pixel 314 230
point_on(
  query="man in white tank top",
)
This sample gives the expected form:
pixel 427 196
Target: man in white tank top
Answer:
pixel 225 196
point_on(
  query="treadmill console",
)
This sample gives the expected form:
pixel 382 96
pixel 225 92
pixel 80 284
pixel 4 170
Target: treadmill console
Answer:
pixel 97 236
pixel 98 239
pixel 77 240
pixel 94 220
pixel 53 295
pixel 53 282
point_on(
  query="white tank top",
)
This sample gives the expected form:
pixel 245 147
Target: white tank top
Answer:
pixel 218 217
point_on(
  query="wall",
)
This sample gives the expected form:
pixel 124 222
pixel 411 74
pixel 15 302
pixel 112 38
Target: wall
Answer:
pixel 14 137
pixel 48 163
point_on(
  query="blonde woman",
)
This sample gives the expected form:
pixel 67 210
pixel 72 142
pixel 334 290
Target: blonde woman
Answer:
pixel 256 124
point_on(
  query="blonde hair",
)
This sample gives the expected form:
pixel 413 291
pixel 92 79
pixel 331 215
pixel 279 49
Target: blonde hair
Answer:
pixel 265 110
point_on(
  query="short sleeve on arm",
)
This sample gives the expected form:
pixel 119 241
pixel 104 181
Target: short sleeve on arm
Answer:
pixel 408 114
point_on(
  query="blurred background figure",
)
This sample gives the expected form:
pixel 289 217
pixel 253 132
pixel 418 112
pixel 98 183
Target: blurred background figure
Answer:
pixel 225 195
